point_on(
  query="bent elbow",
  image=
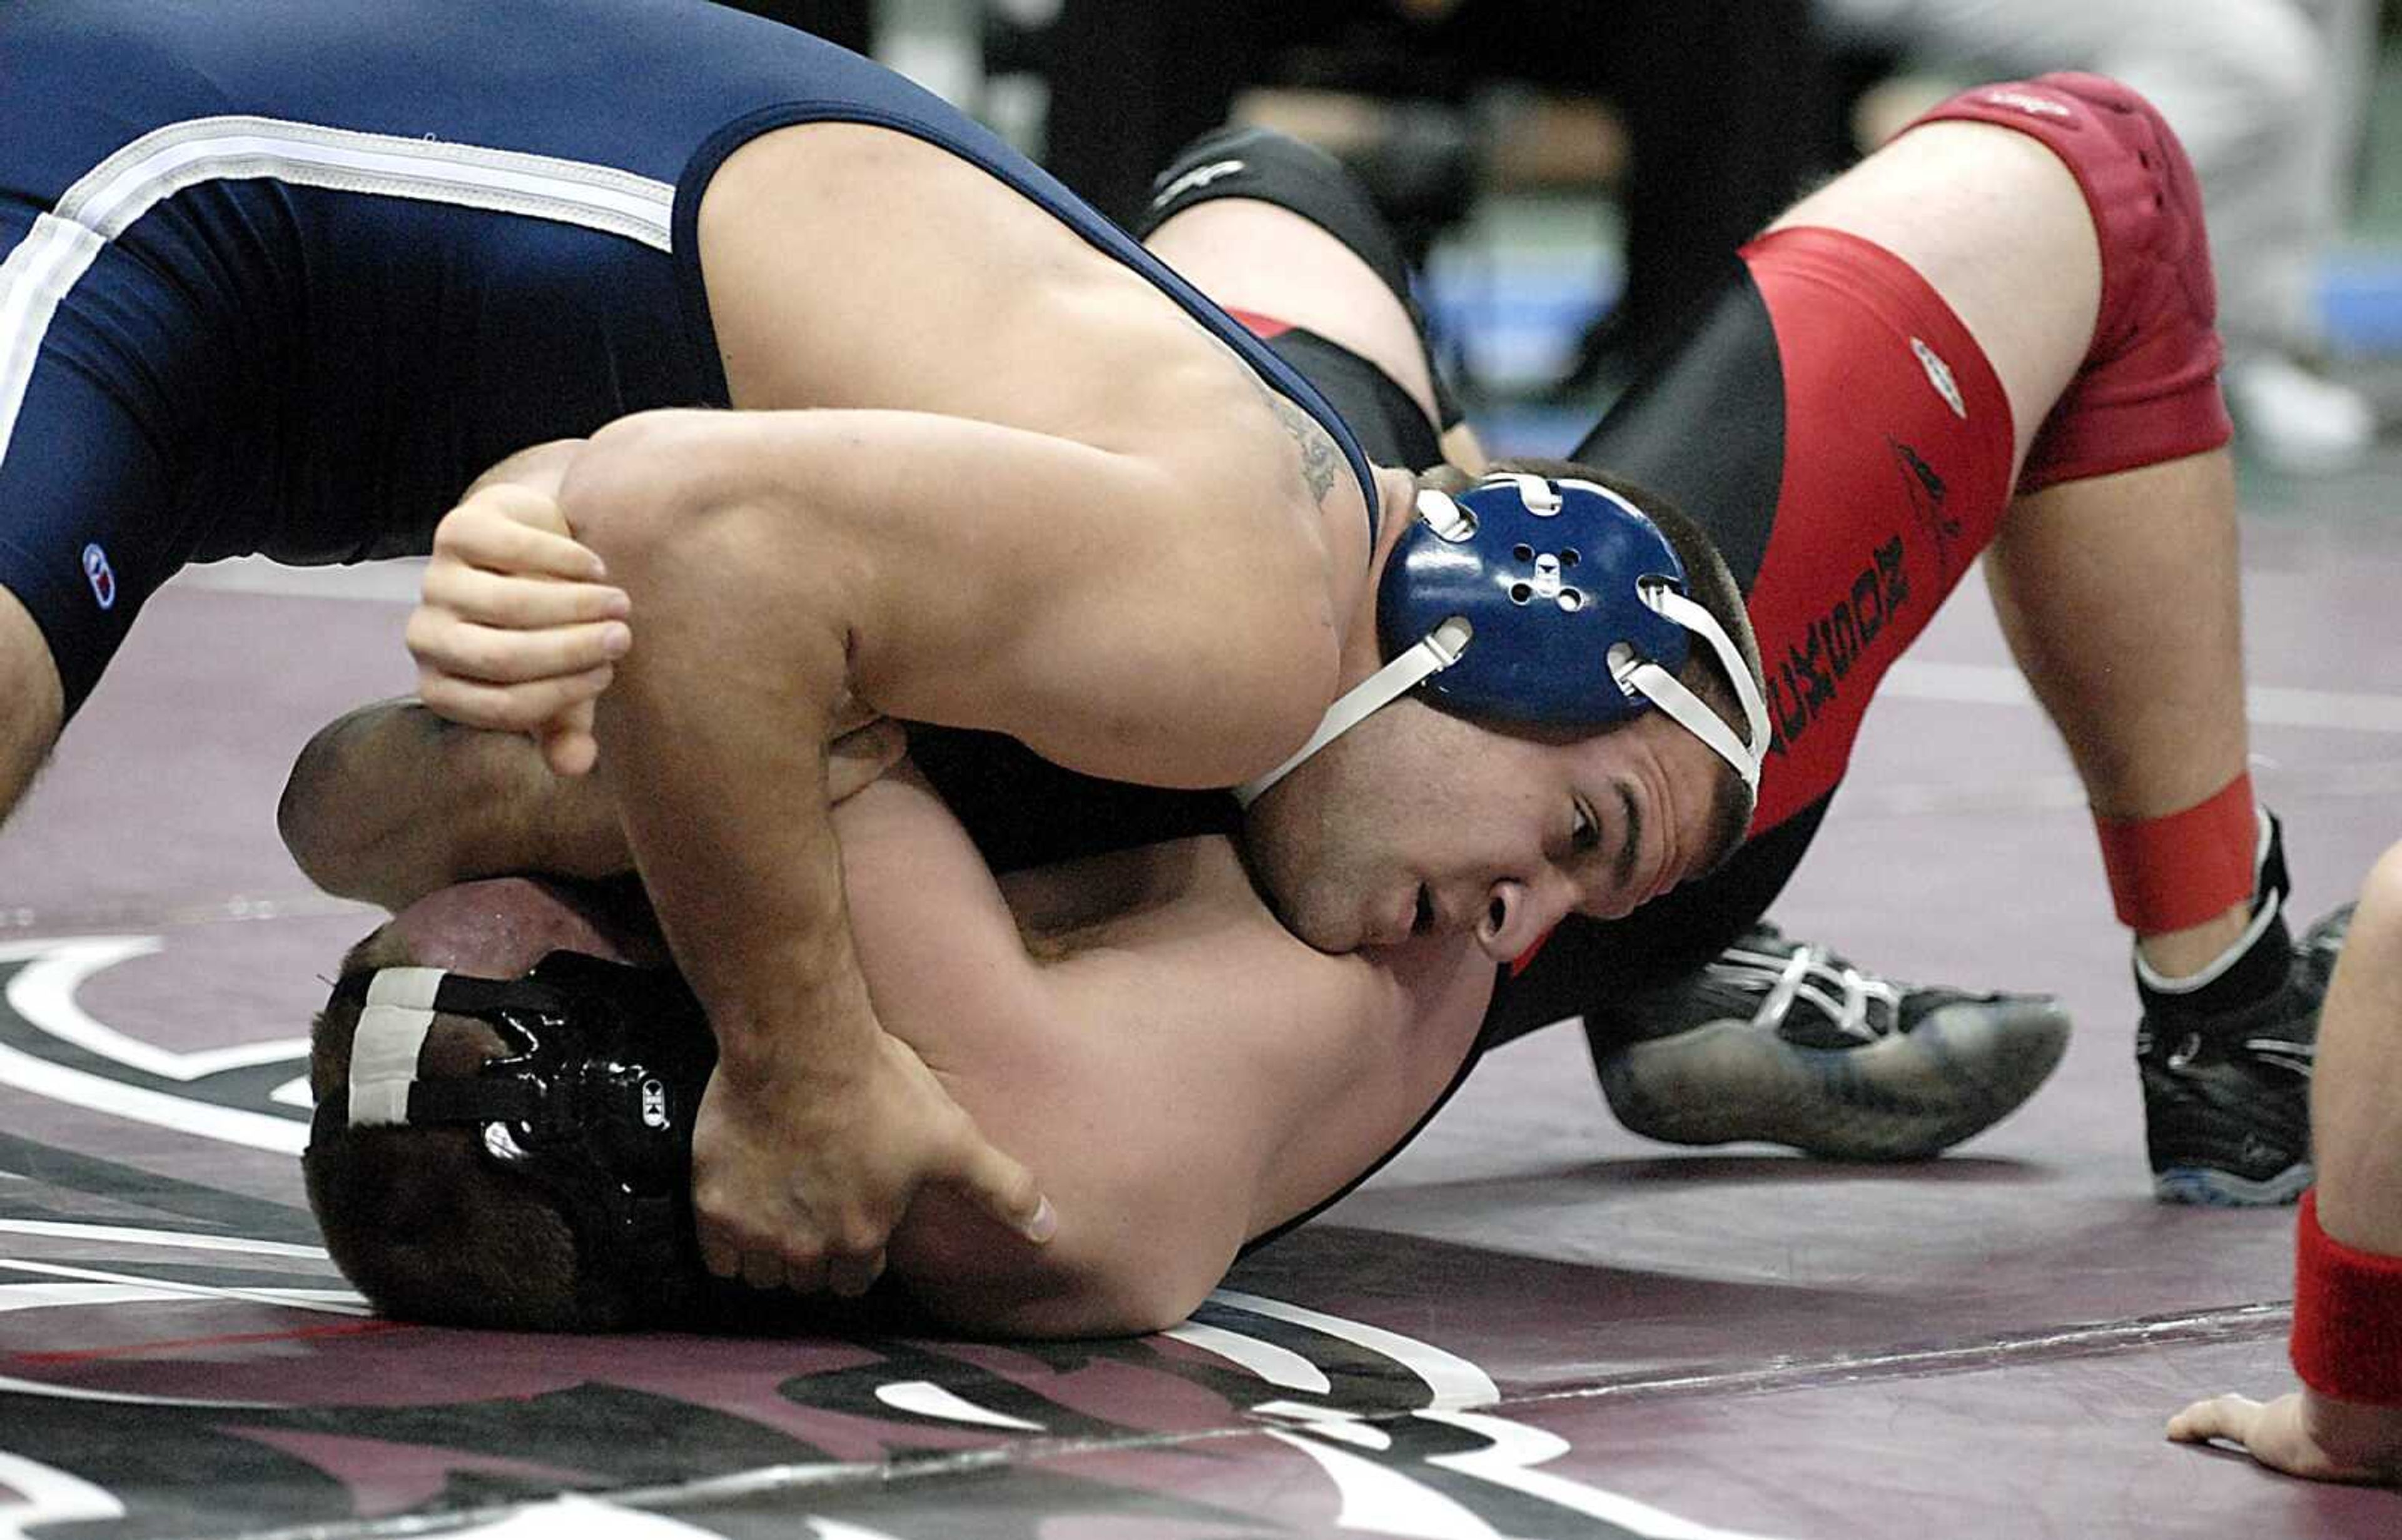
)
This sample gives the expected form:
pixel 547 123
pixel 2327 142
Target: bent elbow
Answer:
pixel 308 820
pixel 629 485
pixel 353 825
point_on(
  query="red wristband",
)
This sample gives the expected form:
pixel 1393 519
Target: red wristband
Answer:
pixel 2347 1315
pixel 2181 869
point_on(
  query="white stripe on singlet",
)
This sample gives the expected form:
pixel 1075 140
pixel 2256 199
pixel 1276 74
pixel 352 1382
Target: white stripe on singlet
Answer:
pixel 65 243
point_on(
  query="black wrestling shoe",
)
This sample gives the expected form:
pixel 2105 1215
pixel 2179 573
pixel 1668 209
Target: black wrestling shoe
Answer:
pixel 2227 1096
pixel 1785 1043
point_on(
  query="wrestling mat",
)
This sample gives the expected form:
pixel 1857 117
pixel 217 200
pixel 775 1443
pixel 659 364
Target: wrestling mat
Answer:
pixel 1532 1324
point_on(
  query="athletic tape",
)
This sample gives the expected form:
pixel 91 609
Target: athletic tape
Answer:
pixel 2176 870
pixel 392 1031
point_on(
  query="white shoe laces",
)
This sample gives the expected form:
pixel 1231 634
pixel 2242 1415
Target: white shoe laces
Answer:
pixel 1809 973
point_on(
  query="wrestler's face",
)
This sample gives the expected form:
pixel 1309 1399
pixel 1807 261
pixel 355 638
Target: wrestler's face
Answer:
pixel 1417 821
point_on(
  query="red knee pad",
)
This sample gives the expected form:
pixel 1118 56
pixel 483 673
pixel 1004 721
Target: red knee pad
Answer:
pixel 2149 388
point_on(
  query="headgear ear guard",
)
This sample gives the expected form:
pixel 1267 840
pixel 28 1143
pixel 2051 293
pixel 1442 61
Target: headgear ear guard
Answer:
pixel 594 1103
pixel 1541 603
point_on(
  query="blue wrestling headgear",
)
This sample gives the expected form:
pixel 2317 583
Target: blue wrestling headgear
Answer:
pixel 594 1103
pixel 1541 603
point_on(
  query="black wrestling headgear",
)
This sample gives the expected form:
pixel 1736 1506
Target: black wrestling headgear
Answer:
pixel 594 1102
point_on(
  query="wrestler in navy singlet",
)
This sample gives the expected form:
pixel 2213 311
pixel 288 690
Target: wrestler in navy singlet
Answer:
pixel 283 277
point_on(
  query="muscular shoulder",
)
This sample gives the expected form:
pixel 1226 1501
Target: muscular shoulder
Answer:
pixel 853 265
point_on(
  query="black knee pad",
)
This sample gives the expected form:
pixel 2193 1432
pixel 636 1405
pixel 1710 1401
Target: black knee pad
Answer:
pixel 1238 161
pixel 1276 168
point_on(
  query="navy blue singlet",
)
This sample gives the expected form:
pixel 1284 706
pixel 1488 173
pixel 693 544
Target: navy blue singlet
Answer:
pixel 283 276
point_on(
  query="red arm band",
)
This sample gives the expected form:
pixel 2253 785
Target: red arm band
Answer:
pixel 2346 1317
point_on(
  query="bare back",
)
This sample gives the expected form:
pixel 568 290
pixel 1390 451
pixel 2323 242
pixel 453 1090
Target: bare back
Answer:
pixel 1180 1073
pixel 848 266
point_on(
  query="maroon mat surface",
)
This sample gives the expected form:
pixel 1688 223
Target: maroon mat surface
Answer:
pixel 1532 1324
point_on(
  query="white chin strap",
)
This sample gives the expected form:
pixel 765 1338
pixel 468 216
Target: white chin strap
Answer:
pixel 1663 690
pixel 1634 676
pixel 1413 668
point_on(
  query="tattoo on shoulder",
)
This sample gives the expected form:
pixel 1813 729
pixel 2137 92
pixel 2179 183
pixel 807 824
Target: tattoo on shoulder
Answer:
pixel 1321 462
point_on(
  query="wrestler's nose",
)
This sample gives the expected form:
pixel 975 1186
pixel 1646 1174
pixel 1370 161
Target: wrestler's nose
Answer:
pixel 1515 917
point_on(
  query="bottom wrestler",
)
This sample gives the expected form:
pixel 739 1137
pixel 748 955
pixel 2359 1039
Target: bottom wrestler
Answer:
pixel 2346 1423
pixel 1158 997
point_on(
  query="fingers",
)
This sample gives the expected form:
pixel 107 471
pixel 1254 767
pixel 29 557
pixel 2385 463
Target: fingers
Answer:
pixel 815 1214
pixel 449 644
pixel 762 1270
pixel 851 1276
pixel 2275 1433
pixel 508 708
pixel 850 714
pixel 518 529
pixel 519 601
pixel 568 743
pixel 741 1252
pixel 847 1257
pixel 517 627
pixel 1004 1189
pixel 848 1270
pixel 2231 1417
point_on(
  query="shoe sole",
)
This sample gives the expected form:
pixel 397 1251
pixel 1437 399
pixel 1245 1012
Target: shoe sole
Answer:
pixel 2204 1187
pixel 1904 1097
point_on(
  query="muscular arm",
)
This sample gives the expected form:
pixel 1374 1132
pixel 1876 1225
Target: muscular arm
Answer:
pixel 1120 613
pixel 391 802
pixel 1088 602
pixel 1088 531
pixel 388 802
pixel 2356 1139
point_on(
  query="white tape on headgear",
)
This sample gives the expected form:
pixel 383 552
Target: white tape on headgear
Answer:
pixel 392 1031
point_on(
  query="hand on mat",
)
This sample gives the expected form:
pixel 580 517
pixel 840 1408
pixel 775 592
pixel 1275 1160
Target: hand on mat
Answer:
pixel 798 1183
pixel 517 629
pixel 2303 1433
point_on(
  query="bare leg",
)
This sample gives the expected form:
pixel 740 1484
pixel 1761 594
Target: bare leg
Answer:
pixel 1255 256
pixel 31 704
pixel 1943 198
pixel 2119 593
pixel 2118 596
